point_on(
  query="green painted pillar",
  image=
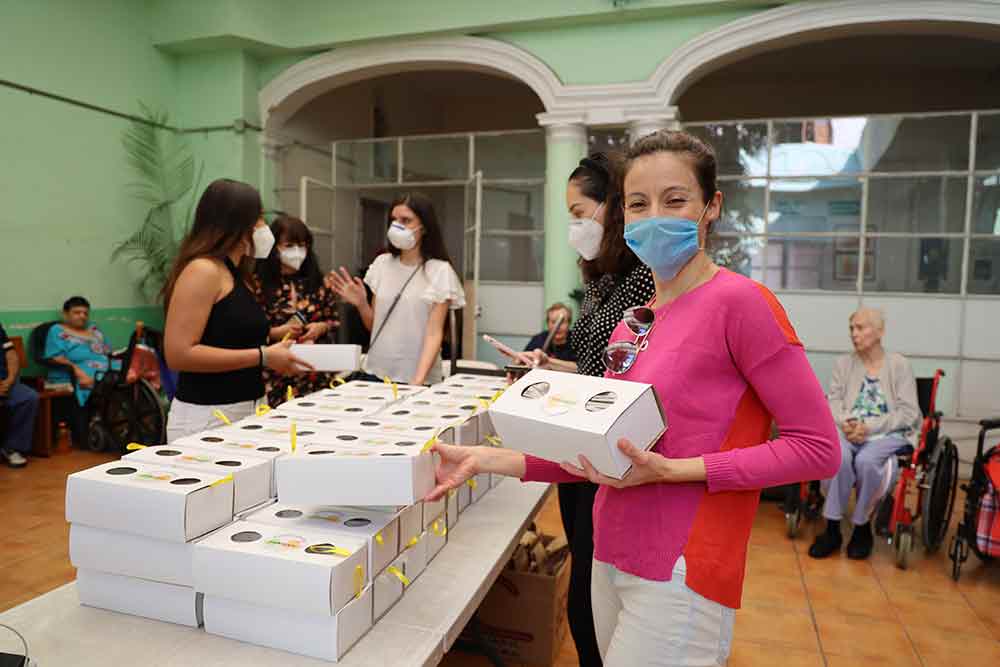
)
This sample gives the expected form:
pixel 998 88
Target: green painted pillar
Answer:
pixel 565 144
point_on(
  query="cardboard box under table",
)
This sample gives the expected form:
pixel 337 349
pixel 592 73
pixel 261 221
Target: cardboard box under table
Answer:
pixel 251 474
pixel 351 473
pixel 523 615
pixel 161 502
pixel 379 529
pixel 297 590
pixel 558 416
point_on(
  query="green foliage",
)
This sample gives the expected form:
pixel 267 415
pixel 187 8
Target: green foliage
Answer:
pixel 165 171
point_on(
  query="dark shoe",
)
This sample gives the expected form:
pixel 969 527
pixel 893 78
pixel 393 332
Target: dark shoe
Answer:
pixel 827 543
pixel 862 541
pixel 14 459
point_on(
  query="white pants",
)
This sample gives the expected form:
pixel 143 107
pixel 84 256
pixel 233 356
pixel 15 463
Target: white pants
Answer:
pixel 644 622
pixel 189 418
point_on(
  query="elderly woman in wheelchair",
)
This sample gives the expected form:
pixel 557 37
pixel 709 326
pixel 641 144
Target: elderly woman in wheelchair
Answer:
pixel 873 398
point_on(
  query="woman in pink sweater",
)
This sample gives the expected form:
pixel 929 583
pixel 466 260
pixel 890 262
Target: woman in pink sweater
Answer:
pixel 670 539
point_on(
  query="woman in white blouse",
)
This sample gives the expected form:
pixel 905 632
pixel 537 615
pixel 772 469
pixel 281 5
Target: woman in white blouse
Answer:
pixel 413 287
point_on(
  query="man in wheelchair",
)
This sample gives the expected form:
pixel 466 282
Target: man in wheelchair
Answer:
pixel 78 354
pixel 873 398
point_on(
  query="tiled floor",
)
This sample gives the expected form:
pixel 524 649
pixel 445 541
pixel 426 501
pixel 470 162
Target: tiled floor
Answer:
pixel 796 611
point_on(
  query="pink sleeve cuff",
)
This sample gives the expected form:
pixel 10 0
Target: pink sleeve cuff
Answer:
pixel 540 470
pixel 720 473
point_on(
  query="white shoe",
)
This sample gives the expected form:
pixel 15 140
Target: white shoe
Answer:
pixel 14 459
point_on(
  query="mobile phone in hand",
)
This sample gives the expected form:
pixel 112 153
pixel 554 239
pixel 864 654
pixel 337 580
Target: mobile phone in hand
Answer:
pixel 501 348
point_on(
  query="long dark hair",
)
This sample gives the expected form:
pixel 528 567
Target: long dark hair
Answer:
pixel 289 229
pixel 599 178
pixel 432 241
pixel 226 215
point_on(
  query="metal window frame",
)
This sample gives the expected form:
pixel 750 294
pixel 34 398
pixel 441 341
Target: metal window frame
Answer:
pixel 766 180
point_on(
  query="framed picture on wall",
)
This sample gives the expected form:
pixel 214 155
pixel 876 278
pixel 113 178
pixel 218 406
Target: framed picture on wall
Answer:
pixel 845 266
pixel 847 243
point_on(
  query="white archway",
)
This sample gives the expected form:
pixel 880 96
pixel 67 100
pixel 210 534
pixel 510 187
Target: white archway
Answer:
pixel 295 87
pixel 798 23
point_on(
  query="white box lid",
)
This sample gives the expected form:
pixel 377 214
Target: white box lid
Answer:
pixel 162 502
pixel 303 570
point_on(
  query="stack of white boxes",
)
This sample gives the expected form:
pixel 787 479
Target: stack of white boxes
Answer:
pixel 132 533
pixel 309 573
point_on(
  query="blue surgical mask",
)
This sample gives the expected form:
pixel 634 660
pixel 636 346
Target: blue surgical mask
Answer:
pixel 665 245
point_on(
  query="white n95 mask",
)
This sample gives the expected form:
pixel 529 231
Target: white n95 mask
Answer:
pixel 263 242
pixel 585 235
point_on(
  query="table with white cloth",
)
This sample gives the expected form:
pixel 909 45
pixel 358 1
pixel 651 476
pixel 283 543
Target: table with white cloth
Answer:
pixel 419 630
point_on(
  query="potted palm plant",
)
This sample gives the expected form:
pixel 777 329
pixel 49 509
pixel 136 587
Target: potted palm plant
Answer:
pixel 166 174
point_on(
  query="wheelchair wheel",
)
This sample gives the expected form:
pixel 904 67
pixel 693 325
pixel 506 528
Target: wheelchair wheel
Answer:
pixel 959 553
pixel 903 544
pixel 939 494
pixel 134 413
pixel 98 439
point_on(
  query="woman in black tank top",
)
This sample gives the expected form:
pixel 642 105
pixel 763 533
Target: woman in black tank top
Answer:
pixel 216 331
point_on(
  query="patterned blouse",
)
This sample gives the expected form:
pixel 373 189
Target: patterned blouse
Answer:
pixel 604 301
pixel 319 305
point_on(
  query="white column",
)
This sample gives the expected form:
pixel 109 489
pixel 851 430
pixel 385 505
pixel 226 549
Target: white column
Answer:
pixel 640 126
pixel 565 145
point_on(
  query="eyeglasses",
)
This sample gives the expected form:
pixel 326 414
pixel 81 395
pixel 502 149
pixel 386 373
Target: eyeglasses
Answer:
pixel 620 356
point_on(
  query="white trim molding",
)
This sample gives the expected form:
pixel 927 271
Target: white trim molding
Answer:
pixel 638 105
pixel 801 23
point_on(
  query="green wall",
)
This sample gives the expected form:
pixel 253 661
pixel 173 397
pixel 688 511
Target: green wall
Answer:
pixel 63 176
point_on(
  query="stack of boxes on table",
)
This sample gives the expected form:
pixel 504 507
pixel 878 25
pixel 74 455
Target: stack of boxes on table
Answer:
pixel 295 529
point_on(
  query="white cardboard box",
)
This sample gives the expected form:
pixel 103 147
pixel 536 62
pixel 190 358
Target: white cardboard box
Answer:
pixel 379 529
pixel 335 406
pixel 478 486
pixel 452 508
pixel 411 524
pixel 467 381
pixel 130 555
pixel 355 475
pixel 139 597
pixel 436 536
pixel 276 425
pixel 295 570
pixel 434 509
pixel 329 357
pixel 558 416
pixel 388 587
pixel 364 389
pixel 162 502
pixel 464 497
pixel 251 474
pixel 256 508
pixel 316 635
pixel 386 424
pixel 464 423
pixel 415 556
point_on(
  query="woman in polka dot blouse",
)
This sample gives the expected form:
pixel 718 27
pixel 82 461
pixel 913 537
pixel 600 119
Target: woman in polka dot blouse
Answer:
pixel 614 280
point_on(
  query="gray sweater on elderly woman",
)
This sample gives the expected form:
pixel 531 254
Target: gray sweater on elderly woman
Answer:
pixel 898 385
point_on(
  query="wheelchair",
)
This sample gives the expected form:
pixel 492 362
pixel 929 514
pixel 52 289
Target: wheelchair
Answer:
pixel 974 529
pixel 125 403
pixel 929 472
